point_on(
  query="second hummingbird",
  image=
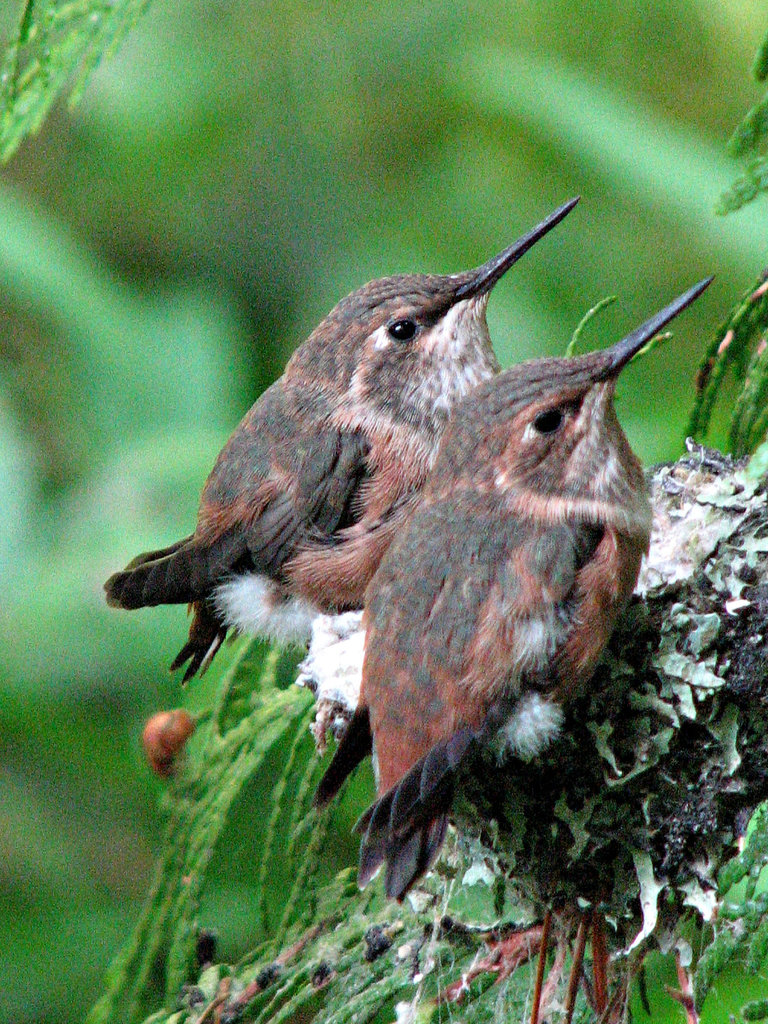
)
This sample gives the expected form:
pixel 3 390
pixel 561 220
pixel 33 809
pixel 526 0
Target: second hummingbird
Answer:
pixel 490 610
pixel 322 472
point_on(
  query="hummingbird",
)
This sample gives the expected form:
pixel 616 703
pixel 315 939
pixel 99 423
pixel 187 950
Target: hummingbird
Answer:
pixel 321 474
pixel 491 608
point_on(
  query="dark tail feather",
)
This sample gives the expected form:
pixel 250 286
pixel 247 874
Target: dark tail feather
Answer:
pixel 180 574
pixel 355 744
pixel 145 582
pixel 403 864
pixel 373 848
pixel 206 635
pixel 407 856
pixel 426 783
pixel 405 828
pixel 408 859
pixel 153 556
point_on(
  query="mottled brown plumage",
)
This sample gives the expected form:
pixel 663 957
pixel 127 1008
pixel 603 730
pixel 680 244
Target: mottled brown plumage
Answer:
pixel 493 606
pixel 320 475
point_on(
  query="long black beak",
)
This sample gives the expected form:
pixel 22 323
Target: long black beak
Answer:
pixel 482 279
pixel 619 354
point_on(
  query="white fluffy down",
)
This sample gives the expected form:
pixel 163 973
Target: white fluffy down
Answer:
pixel 532 726
pixel 333 667
pixel 253 604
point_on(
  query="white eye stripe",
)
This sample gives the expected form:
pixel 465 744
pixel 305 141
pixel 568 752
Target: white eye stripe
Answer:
pixel 382 338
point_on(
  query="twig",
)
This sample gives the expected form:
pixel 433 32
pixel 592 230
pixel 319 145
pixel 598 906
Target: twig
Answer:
pixel 545 928
pixel 575 976
pixel 599 961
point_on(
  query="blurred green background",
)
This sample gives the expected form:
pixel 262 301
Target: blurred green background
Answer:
pixel 228 175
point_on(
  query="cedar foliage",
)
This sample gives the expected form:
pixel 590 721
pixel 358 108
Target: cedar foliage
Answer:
pixel 57 45
pixel 748 143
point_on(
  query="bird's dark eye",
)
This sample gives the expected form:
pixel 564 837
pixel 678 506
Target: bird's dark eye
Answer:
pixel 402 330
pixel 549 421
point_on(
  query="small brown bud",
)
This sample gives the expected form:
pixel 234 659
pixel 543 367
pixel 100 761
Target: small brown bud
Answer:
pixel 727 339
pixel 164 737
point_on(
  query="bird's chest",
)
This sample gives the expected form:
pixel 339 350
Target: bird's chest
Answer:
pixel 398 464
pixel 603 588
